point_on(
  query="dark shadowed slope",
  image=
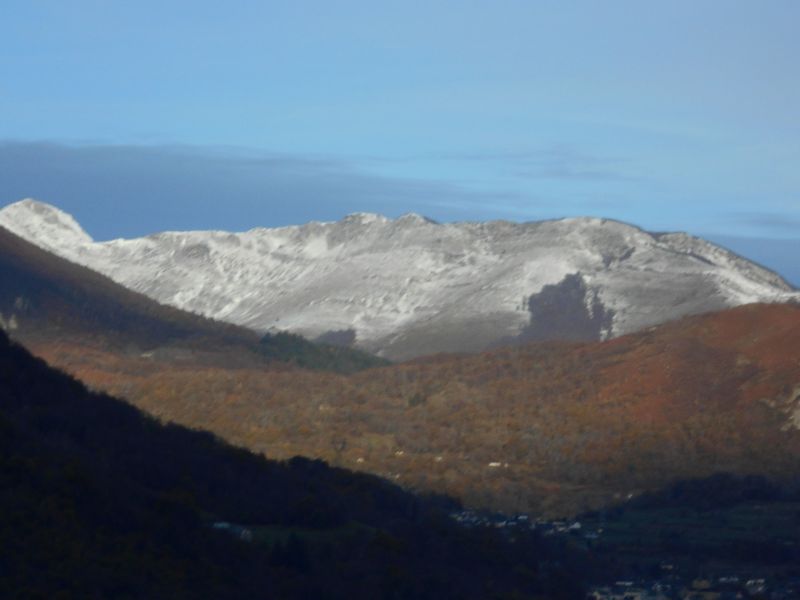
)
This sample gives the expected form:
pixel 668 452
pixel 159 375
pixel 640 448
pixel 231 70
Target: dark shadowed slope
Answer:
pixel 46 300
pixel 44 295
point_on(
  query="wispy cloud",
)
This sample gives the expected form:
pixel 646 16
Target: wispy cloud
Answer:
pixel 775 222
pixel 561 162
pixel 556 161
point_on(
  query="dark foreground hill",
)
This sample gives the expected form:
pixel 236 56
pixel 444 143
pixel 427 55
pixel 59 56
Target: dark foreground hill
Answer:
pixel 98 500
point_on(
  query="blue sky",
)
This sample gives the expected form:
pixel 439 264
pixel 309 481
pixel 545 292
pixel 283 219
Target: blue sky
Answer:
pixel 144 116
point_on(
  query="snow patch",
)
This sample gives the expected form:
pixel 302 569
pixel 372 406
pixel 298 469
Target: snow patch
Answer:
pixel 45 224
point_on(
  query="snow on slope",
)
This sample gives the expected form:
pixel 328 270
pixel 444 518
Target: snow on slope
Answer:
pixel 33 220
pixel 410 286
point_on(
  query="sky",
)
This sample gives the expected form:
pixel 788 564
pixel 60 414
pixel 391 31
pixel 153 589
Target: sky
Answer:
pixel 145 116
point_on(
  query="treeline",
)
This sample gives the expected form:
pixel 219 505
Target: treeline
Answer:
pixel 98 500
pixel 292 348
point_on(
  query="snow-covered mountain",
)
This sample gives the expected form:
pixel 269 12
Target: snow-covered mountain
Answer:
pixel 409 286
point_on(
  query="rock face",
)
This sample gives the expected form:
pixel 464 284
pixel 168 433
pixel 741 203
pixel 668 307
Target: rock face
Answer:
pixel 409 286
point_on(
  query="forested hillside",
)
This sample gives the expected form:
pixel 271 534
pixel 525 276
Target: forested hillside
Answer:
pixel 557 428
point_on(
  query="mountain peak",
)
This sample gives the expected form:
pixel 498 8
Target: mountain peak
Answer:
pixel 33 218
pixel 365 218
pixel 415 219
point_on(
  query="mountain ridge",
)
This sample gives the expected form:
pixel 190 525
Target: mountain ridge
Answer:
pixel 409 286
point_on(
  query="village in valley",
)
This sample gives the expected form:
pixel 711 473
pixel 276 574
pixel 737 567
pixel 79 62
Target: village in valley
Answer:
pixel 664 580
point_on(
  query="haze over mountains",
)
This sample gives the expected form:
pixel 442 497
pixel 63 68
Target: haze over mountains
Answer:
pixel 407 287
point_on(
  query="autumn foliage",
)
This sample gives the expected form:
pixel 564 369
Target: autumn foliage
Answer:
pixel 545 427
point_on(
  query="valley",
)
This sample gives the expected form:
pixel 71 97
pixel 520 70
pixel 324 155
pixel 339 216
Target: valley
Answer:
pixel 553 429
pixel 399 301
